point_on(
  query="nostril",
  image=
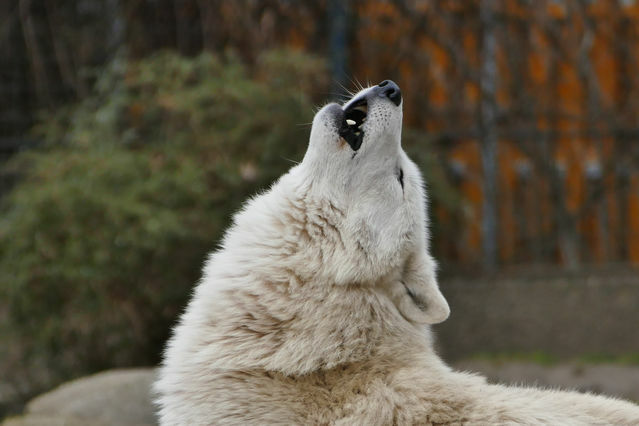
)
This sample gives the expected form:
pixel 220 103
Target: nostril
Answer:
pixel 383 83
pixel 389 92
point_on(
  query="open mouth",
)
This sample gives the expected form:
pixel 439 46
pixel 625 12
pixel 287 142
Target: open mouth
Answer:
pixel 351 127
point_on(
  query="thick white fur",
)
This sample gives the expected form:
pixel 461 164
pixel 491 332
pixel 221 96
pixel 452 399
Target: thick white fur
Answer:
pixel 303 316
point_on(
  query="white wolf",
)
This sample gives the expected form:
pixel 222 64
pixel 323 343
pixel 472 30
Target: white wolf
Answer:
pixel 316 308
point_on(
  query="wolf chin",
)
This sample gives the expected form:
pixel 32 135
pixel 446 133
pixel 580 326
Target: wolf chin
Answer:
pixel 316 308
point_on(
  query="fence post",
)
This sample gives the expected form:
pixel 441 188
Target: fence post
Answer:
pixel 488 131
pixel 338 11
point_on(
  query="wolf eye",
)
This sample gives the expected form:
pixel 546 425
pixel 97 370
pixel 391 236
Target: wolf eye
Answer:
pixel 400 177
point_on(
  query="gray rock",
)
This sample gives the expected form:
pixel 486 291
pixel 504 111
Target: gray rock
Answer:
pixel 115 397
pixel 49 420
pixel 620 381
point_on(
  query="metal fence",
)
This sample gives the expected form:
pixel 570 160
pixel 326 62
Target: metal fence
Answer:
pixel 533 106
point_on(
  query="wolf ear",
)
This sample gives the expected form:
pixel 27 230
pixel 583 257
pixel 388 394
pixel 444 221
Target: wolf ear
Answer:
pixel 417 296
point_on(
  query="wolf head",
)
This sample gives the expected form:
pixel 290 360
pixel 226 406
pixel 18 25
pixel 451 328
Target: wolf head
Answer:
pixel 355 159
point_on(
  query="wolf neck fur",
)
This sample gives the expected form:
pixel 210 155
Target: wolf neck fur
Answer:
pixel 279 312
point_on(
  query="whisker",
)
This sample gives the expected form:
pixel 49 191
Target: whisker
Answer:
pixel 351 94
pixel 338 95
pixel 289 160
pixel 355 84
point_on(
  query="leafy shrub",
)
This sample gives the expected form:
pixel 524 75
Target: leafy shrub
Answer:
pixel 106 232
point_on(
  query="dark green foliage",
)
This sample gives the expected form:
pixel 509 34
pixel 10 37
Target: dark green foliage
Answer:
pixel 105 235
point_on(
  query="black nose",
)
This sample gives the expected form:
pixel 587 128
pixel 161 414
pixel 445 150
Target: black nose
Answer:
pixel 390 89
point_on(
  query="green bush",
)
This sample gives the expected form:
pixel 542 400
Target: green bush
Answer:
pixel 104 236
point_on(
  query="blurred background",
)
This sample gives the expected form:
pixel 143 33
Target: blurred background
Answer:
pixel 131 130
